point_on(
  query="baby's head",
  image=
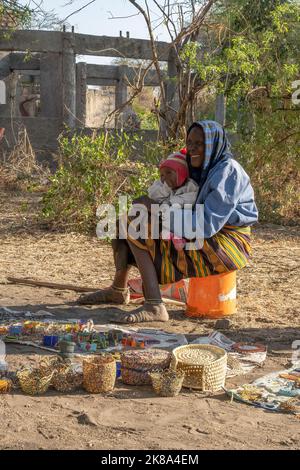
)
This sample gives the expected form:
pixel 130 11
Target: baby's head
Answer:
pixel 174 170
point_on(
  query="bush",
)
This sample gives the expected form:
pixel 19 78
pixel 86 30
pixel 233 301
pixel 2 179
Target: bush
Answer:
pixel 271 157
pixel 99 169
pixel 96 170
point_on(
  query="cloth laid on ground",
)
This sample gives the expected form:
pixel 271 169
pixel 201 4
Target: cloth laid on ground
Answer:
pixel 151 336
pixel 104 338
pixel 238 363
pixel 9 314
pixel 278 391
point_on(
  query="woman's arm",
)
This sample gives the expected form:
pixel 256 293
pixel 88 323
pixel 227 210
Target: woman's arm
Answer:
pixel 223 194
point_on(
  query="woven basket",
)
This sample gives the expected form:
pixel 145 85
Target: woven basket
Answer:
pixel 136 365
pixel 205 366
pixel 291 406
pixel 167 383
pixel 34 381
pixel 47 364
pixel 99 374
pixel 65 378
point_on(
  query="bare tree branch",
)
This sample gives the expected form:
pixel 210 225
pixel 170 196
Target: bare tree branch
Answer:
pixel 153 45
pixel 122 17
pixel 77 11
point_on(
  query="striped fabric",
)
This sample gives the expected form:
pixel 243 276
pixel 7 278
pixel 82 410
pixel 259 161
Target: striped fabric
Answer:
pixel 228 250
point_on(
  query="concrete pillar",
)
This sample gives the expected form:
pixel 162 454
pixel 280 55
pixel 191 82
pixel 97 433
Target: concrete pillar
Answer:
pixel 4 77
pixel 12 89
pixel 51 77
pixel 69 80
pixel 172 87
pixel 19 90
pixel 220 110
pixel 121 90
pixel 81 94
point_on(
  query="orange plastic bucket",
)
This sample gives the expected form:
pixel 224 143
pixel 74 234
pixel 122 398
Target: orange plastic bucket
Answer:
pixel 212 296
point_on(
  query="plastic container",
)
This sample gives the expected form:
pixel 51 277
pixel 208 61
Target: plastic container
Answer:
pixel 15 330
pixel 212 296
pixel 66 348
pixel 50 341
pixel 118 369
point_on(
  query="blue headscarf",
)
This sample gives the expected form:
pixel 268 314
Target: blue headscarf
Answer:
pixel 217 148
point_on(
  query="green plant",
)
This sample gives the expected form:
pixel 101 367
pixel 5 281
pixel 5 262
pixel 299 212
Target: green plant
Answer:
pixel 96 170
pixel 271 155
pixel 147 117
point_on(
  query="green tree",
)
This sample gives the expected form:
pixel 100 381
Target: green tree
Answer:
pixel 13 14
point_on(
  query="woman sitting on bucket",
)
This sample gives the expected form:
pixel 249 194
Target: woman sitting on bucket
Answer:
pixel 229 210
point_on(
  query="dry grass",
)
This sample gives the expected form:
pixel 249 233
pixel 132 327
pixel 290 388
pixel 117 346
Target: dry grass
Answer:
pixel 133 417
pixel 20 167
pixel 268 289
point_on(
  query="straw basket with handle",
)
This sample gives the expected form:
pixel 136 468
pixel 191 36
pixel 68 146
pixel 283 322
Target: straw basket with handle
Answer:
pixel 99 374
pixel 66 378
pixel 205 366
pixel 34 381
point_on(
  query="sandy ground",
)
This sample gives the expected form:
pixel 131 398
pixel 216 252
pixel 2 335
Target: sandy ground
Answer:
pixel 134 417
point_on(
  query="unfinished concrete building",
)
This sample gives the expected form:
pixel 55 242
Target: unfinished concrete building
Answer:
pixel 48 90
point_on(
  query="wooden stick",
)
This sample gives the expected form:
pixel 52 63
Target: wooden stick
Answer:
pixel 51 285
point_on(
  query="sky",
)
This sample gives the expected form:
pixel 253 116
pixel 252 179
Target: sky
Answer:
pixel 96 19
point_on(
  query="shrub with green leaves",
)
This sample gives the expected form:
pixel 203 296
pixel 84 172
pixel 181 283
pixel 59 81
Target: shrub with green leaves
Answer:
pixel 97 170
pixel 271 155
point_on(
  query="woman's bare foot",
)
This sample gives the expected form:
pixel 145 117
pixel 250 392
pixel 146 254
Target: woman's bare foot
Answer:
pixel 110 295
pixel 147 313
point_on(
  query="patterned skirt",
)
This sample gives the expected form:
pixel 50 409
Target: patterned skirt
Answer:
pixel 228 250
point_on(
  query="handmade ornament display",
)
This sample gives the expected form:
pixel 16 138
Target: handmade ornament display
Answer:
pixel 278 391
pixel 86 337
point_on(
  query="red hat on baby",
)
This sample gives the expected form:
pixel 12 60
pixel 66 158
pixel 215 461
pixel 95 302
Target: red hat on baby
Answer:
pixel 177 162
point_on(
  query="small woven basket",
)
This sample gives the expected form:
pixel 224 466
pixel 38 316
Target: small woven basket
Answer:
pixel 34 381
pixel 205 366
pixel 65 378
pixel 137 365
pixel 167 383
pixel 99 374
